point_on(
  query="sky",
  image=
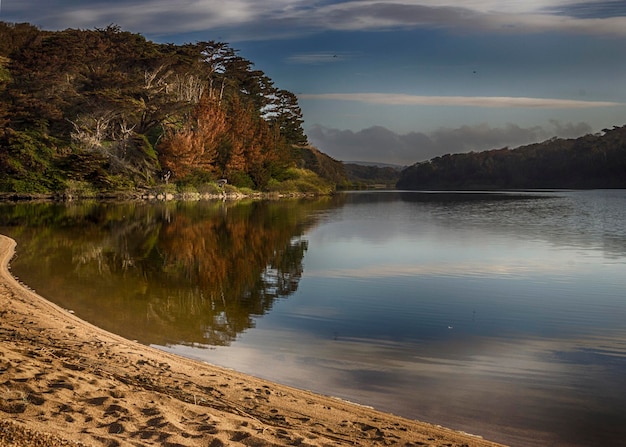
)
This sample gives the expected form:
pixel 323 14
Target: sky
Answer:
pixel 401 81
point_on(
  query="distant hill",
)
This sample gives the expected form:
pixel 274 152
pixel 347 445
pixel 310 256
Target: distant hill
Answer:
pixel 374 163
pixel 363 177
pixel 591 161
pixel 322 164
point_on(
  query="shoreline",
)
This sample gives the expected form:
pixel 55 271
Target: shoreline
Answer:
pixel 66 382
pixel 232 194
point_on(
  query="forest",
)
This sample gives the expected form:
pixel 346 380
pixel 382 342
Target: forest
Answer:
pixel 102 111
pixel 87 113
pixel 371 176
pixel 591 161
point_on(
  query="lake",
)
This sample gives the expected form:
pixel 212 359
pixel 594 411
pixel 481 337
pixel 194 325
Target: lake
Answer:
pixel 499 314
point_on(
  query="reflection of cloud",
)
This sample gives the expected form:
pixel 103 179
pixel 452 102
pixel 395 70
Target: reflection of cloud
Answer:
pixel 413 379
pixel 469 101
pixel 468 269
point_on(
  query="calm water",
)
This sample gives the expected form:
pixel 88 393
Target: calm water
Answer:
pixel 501 315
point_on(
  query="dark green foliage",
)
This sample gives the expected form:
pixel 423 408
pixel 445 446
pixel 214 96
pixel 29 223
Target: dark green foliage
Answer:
pixel 197 178
pixel 27 163
pixel 16 35
pixel 361 176
pixel 287 116
pixel 108 109
pixel 241 180
pixel 323 165
pixel 591 161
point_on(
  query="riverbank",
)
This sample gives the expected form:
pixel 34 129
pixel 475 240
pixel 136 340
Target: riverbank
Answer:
pixel 152 196
pixel 66 382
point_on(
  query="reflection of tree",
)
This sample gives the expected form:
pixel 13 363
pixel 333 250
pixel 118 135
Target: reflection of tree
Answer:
pixel 192 273
pixel 227 258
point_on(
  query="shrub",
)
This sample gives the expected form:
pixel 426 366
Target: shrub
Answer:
pixel 241 180
pixel 79 189
pixel 300 181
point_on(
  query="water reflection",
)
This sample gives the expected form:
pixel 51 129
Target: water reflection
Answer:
pixel 498 314
pixel 187 273
pixel 584 219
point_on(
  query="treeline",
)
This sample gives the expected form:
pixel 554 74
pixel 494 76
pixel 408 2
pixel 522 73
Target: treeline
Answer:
pixel 106 109
pixel 365 177
pixel 591 161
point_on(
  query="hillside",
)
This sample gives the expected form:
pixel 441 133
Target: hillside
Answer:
pixel 591 161
pixel 363 176
pixel 103 110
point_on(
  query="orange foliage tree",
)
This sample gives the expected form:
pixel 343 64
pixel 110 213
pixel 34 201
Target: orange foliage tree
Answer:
pixel 193 146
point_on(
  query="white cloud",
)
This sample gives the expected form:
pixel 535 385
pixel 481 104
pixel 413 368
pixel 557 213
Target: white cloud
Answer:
pixel 469 101
pixel 317 58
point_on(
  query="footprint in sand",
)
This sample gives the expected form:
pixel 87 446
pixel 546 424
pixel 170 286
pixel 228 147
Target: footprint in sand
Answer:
pixel 97 401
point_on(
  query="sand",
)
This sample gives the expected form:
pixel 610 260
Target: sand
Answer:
pixel 66 382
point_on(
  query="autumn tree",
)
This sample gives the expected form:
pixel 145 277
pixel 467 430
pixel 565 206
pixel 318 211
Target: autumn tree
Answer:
pixel 193 147
pixel 114 109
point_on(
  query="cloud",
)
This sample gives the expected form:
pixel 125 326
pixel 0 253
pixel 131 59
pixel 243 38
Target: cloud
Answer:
pixel 379 144
pixel 593 9
pixel 267 18
pixel 149 16
pixel 317 58
pixel 470 101
pixel 482 16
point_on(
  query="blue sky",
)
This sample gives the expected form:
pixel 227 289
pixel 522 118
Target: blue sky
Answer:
pixel 401 81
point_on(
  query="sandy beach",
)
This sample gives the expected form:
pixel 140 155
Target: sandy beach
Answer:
pixel 66 382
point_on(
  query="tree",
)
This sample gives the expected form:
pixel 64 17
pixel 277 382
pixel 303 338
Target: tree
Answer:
pixel 112 108
pixel 194 146
pixel 590 161
pixel 286 115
